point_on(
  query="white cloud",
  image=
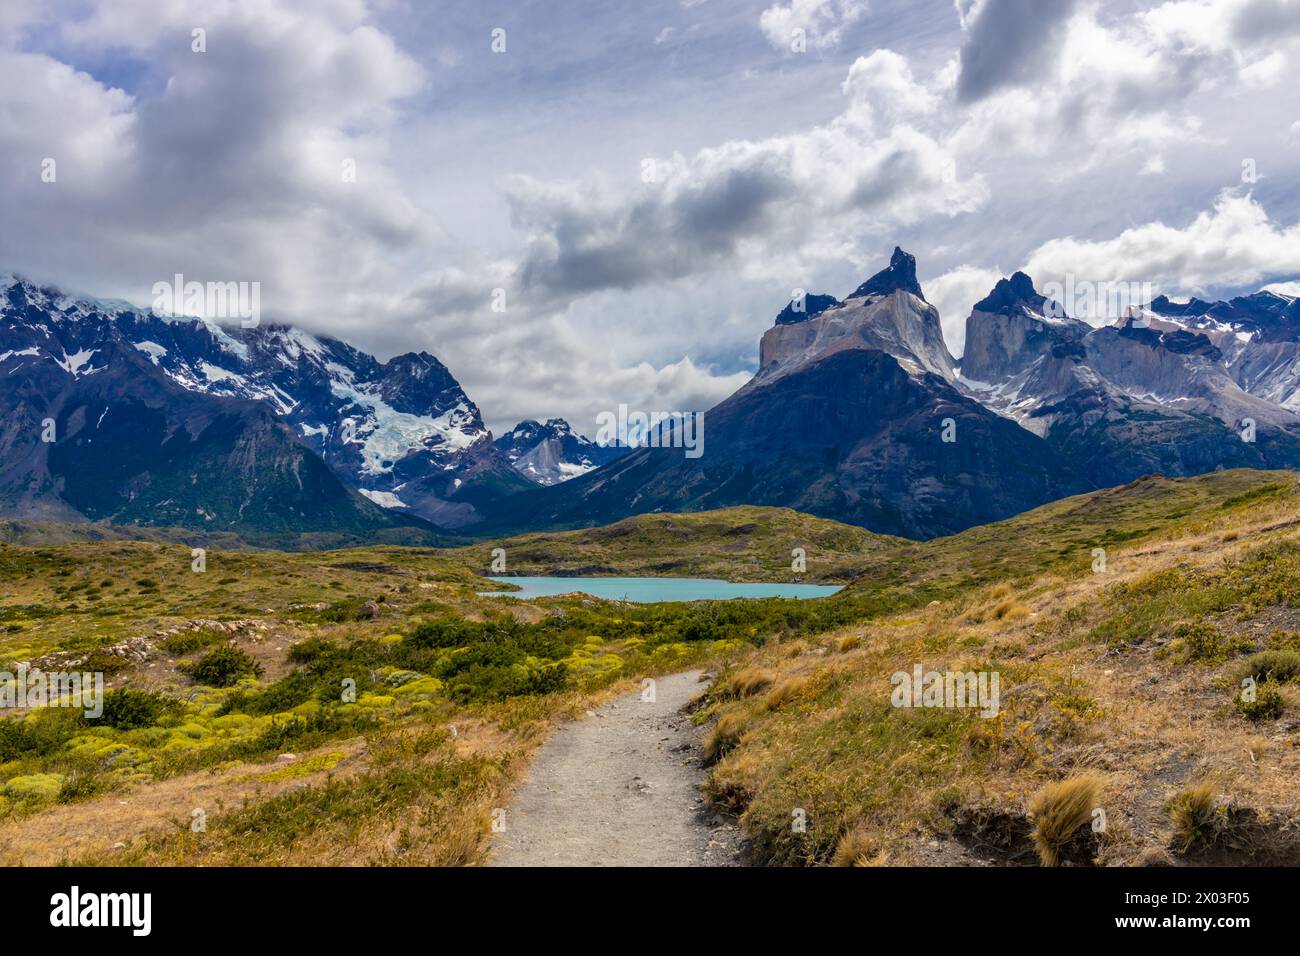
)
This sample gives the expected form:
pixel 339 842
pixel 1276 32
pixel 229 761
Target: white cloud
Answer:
pixel 1234 244
pixel 233 170
pixel 1093 74
pixel 1264 72
pixel 1154 166
pixel 226 165
pixel 749 204
pixel 821 23
pixel 953 294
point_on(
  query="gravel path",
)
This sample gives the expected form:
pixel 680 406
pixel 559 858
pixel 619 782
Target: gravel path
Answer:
pixel 620 788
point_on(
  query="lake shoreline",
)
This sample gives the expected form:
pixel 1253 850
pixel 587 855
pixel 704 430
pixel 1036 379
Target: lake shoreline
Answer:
pixel 655 590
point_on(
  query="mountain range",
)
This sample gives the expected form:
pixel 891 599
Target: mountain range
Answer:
pixel 553 452
pixel 857 412
pixel 848 412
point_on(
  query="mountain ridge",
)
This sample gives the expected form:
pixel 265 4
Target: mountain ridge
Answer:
pixel 402 433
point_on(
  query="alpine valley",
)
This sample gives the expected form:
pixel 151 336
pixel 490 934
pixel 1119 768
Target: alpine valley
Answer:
pixel 857 412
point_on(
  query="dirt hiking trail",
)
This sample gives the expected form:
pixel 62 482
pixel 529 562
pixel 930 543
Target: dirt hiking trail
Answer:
pixel 620 787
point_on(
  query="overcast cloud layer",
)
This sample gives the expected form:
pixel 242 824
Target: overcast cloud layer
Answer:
pixel 642 192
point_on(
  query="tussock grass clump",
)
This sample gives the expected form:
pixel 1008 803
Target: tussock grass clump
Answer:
pixel 857 848
pixel 845 644
pixel 1005 609
pixel 1196 816
pixel 787 691
pixel 1059 810
pixel 723 737
pixel 1009 610
pixel 748 682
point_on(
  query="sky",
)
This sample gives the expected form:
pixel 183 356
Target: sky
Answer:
pixel 577 205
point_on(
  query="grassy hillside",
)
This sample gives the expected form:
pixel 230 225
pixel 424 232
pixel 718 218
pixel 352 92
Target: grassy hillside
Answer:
pixel 1060 536
pixel 225 685
pixel 38 533
pixel 226 694
pixel 1121 698
pixel 737 544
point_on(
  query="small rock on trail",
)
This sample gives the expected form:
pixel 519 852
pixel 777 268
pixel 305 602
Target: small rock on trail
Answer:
pixel 620 787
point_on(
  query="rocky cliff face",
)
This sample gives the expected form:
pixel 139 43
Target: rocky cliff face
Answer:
pixel 1154 392
pixel 854 436
pixel 1257 335
pixel 1013 328
pixel 854 414
pixel 887 312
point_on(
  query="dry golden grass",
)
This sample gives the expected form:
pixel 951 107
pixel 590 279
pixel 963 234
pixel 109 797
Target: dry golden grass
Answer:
pixel 787 691
pixel 750 681
pixel 1079 694
pixel 723 737
pixel 1194 815
pixel 857 848
pixel 1068 701
pixel 1009 610
pixel 1059 810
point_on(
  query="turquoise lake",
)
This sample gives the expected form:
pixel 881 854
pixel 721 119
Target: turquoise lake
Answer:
pixel 653 590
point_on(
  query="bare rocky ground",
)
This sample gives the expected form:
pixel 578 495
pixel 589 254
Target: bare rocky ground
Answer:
pixel 620 787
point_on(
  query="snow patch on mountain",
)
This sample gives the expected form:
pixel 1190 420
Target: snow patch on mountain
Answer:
pixel 152 349
pixel 387 435
pixel 75 363
pixel 385 499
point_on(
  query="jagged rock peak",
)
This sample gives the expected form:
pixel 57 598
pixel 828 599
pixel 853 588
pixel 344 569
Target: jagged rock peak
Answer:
pixel 900 276
pixel 1012 295
pixel 813 306
pixel 1163 305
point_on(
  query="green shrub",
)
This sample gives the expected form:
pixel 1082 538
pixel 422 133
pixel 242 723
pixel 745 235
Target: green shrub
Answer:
pixel 128 709
pixel 1279 666
pixel 1267 705
pixel 38 734
pixel 444 633
pixel 223 667
pixel 178 645
pixel 102 661
pixel 482 683
pixel 79 785
pixel 304 652
pixel 1203 643
pixel 340 612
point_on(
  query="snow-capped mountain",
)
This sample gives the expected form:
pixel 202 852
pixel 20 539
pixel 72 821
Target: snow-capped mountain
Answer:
pixel 1258 336
pixel 402 432
pixel 858 412
pixel 845 418
pixel 848 412
pixel 553 452
pixel 1148 393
